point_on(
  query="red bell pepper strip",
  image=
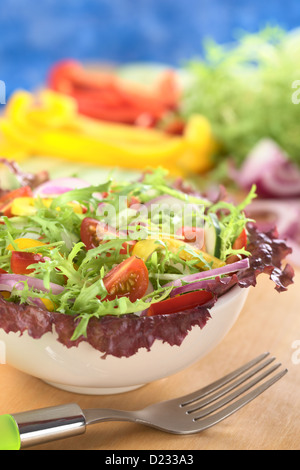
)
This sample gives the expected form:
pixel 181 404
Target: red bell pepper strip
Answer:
pixel 180 303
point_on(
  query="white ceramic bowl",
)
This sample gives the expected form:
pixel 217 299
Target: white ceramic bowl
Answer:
pixel 82 370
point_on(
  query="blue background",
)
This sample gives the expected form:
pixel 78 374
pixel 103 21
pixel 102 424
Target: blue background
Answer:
pixel 36 33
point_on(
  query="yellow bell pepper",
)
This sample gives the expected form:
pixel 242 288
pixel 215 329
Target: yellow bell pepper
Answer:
pixel 200 142
pixel 25 206
pixel 16 111
pixel 144 248
pixel 77 147
pixel 12 152
pixel 49 124
pixel 175 245
pixel 17 138
pixel 55 110
pixel 121 133
pixel 50 306
pixel 24 244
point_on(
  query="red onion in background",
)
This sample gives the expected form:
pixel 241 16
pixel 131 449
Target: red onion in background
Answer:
pixel 271 170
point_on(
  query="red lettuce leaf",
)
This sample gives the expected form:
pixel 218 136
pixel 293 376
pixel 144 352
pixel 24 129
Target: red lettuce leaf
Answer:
pixel 267 255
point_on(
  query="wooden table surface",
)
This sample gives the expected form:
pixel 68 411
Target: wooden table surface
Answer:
pixel 268 322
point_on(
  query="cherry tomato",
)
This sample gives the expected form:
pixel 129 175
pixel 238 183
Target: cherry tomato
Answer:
pixel 20 260
pixel 128 279
pixel 93 232
pixel 239 243
pixel 7 199
pixel 180 303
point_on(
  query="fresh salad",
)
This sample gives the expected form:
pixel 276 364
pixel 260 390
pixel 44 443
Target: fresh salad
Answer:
pixel 122 263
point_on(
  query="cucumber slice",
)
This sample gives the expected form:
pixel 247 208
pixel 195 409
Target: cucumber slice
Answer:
pixel 212 233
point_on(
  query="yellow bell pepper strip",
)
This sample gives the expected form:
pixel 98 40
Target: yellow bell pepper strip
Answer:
pixel 61 109
pixel 90 150
pixel 54 110
pixel 16 137
pixel 16 111
pixel 50 124
pixel 122 133
pixel 12 152
pixel 25 206
pixel 175 246
pixel 78 147
pixel 24 244
pixel 144 248
pixel 201 144
pixel 50 306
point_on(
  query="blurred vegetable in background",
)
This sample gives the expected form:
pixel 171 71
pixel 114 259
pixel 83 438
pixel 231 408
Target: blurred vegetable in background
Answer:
pixel 245 91
pixel 102 94
pixel 49 124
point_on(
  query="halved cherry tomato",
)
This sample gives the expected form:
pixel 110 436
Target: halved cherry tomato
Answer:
pixel 240 242
pixel 129 279
pixel 180 303
pixel 7 199
pixel 20 260
pixel 93 232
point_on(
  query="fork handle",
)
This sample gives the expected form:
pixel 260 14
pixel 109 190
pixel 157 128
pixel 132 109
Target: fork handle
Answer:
pixel 30 428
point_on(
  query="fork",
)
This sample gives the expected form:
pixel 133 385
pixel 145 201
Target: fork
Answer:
pixel 189 414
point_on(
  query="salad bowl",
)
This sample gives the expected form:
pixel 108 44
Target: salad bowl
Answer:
pixel 108 287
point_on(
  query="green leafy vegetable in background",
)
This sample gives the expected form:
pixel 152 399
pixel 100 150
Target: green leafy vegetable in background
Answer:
pixel 245 89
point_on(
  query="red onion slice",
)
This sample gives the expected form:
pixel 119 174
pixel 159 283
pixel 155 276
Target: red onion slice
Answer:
pixel 59 186
pixel 201 285
pixel 203 275
pixel 10 281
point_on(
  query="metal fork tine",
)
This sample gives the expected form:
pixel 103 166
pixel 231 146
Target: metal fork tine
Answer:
pixel 229 410
pixel 197 405
pixel 227 399
pixel 188 399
